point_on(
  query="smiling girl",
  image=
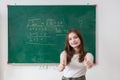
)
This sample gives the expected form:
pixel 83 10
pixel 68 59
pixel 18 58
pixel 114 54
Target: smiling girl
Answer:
pixel 74 60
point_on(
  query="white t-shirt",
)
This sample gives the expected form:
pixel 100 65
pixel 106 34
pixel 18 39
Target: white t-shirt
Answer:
pixel 74 68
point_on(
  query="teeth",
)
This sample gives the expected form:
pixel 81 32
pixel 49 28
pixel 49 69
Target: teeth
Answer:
pixel 74 43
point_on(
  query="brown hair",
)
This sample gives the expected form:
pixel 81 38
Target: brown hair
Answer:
pixel 70 51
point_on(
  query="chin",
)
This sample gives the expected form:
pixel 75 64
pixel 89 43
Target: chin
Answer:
pixel 74 46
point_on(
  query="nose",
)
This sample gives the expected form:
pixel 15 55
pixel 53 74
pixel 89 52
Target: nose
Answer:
pixel 73 40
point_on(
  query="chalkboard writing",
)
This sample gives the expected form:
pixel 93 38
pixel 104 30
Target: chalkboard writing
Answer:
pixel 36 34
pixel 38 30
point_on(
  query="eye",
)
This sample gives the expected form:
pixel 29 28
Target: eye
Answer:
pixel 70 39
pixel 75 37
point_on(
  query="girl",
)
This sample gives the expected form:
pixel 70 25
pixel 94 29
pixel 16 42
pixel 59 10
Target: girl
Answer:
pixel 74 60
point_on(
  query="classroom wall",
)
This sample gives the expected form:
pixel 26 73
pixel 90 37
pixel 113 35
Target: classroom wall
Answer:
pixel 107 43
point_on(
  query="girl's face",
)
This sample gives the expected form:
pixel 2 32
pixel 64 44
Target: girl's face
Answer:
pixel 74 40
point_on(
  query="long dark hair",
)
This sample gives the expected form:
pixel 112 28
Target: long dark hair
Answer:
pixel 70 51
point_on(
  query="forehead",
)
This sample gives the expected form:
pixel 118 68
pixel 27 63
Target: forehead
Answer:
pixel 72 34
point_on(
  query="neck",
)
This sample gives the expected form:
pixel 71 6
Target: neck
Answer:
pixel 76 50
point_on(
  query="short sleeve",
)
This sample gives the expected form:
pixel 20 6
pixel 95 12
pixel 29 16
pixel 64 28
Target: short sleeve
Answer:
pixel 89 56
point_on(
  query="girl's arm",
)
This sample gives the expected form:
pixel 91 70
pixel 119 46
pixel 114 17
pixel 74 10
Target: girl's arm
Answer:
pixel 62 64
pixel 88 61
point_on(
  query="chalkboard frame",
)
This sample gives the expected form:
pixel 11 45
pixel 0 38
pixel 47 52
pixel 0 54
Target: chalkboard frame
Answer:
pixel 16 54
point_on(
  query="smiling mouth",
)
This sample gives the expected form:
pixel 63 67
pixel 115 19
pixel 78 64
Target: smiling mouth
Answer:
pixel 74 43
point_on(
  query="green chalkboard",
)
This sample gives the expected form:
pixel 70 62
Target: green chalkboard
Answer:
pixel 36 34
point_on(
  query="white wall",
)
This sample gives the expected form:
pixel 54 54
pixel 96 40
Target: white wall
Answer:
pixel 107 43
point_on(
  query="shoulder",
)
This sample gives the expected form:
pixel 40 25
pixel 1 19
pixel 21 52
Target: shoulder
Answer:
pixel 63 53
pixel 89 55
